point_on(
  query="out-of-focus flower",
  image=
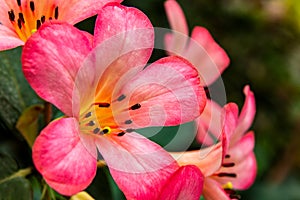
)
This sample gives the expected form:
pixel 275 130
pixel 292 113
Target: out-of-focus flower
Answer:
pixel 19 19
pixel 230 164
pixel 201 49
pixel 106 93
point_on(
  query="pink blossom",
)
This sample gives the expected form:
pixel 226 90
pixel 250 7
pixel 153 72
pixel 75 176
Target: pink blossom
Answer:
pixel 102 87
pixel 19 19
pixel 230 164
pixel 201 49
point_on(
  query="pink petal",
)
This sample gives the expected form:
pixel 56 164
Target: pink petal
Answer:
pixel 210 59
pixel 140 167
pixel 185 184
pixel 77 10
pixel 176 42
pixel 9 39
pixel 62 159
pixel 247 114
pixel 212 190
pixel 51 58
pixel 162 101
pixel 208 160
pixel 209 122
pixel 229 119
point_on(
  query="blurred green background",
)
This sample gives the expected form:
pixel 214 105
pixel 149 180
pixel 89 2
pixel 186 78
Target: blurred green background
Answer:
pixel 261 38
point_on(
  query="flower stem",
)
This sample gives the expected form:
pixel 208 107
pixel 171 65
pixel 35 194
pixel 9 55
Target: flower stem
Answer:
pixel 47 112
pixel 20 173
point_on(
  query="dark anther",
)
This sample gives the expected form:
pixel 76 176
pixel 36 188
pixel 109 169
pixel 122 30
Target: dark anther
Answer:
pixel 96 130
pixel 105 131
pixel 19 2
pixel 135 106
pixel 229 191
pixel 21 17
pixel 19 23
pixel 228 164
pixel 11 15
pixel 43 19
pixel 129 130
pixel 121 133
pixel 88 114
pixel 91 123
pixel 227 156
pixel 103 105
pixel 38 24
pixel 50 18
pixel 224 174
pixel 31 4
pixel 128 121
pixel 56 12
pixel 121 97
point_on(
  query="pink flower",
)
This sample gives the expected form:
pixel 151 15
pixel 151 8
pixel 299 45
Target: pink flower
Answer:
pixel 229 164
pixel 19 19
pixel 102 87
pixel 201 49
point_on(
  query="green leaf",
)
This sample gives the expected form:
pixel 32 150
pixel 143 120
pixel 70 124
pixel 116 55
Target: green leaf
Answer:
pixel 15 92
pixel 27 124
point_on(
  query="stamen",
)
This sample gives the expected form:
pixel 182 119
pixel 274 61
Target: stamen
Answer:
pixel 128 121
pixel 11 15
pixel 56 12
pixel 224 174
pixel 228 164
pixel 38 24
pixel 88 114
pixel 121 134
pixel 122 97
pixel 19 23
pixel 135 106
pixel 91 123
pixel 43 19
pixel 227 156
pixel 103 105
pixel 19 2
pixel 31 3
pixel 129 130
pixel 96 130
pixel 21 17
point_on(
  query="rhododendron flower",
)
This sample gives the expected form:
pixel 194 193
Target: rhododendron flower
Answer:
pixel 229 164
pixel 19 19
pixel 201 49
pixel 101 85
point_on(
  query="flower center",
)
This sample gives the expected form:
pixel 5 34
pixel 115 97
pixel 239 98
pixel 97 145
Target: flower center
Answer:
pixel 26 18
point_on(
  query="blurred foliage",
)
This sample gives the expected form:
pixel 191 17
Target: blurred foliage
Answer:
pixel 262 40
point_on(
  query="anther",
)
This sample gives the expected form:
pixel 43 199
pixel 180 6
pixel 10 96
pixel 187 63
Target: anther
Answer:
pixel 129 130
pixel 227 156
pixel 88 114
pixel 128 121
pixel 91 123
pixel 19 23
pixel 43 19
pixel 31 4
pixel 122 97
pixel 135 106
pixel 121 134
pixel 228 164
pixel 56 12
pixel 96 130
pixel 103 105
pixel 224 174
pixel 38 24
pixel 21 17
pixel 106 130
pixel 11 15
pixel 19 2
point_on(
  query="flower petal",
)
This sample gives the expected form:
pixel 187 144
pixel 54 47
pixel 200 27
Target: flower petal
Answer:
pixel 176 42
pixel 212 190
pixel 209 58
pixel 4 18
pixel 140 167
pixel 62 159
pixel 8 38
pixel 77 10
pixel 208 160
pixel 51 58
pixel 247 114
pixel 185 184
pixel 154 97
